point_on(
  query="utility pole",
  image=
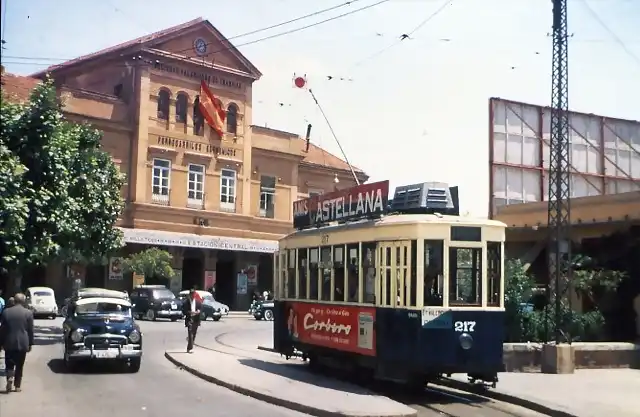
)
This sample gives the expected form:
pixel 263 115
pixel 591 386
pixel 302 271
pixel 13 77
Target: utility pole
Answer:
pixel 559 211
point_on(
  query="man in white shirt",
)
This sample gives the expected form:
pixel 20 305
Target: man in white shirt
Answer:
pixel 191 310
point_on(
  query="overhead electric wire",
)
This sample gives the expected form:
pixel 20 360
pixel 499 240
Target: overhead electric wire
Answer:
pixel 276 35
pixel 404 36
pixel 613 35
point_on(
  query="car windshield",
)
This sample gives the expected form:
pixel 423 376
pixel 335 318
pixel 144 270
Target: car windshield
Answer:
pixel 208 297
pixel 102 308
pixel 164 293
pixel 42 294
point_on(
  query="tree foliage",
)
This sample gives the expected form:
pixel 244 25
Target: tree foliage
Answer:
pixel 62 195
pixel 524 323
pixel 152 263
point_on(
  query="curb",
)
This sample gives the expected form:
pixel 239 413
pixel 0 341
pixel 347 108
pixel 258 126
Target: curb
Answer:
pixel 302 408
pixel 506 398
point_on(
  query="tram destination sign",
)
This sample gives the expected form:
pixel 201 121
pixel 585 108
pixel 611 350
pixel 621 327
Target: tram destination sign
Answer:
pixel 362 201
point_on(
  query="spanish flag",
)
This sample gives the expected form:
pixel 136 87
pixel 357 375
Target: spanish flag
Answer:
pixel 211 109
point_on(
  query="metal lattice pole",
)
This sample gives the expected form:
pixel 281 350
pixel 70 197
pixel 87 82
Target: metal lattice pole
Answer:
pixel 559 212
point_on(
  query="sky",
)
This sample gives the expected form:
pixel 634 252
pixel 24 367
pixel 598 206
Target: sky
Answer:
pixel 407 111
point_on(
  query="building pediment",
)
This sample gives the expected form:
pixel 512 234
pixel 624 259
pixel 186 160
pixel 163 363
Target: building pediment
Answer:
pixel 194 41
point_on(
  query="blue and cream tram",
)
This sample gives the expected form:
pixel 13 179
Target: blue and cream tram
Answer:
pixel 405 290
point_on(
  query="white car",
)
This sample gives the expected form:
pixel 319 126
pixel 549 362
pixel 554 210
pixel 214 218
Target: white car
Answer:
pixel 209 299
pixel 42 301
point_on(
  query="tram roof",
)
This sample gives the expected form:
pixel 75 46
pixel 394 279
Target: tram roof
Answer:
pixel 399 219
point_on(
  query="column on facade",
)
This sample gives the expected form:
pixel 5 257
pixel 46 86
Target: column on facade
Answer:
pixel 172 110
pixel 247 166
pixel 139 158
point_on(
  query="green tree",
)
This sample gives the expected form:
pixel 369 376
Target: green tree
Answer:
pixel 68 187
pixel 153 263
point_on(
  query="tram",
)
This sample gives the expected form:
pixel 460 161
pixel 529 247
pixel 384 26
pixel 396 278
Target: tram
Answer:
pixel 401 289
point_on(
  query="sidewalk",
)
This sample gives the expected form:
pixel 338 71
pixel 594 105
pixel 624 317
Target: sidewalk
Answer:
pixel 286 383
pixel 586 393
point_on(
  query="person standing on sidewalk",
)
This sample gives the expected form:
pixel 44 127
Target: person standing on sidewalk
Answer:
pixel 16 338
pixel 191 310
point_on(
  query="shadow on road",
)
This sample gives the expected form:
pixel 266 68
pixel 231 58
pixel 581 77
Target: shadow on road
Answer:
pixel 300 372
pixel 57 366
pixel 47 335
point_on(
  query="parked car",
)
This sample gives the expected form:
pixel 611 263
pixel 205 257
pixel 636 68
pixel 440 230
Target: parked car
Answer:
pixel 152 302
pixel 211 308
pixel 101 328
pixel 263 310
pixel 42 302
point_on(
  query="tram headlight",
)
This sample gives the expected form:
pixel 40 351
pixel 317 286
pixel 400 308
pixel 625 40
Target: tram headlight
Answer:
pixel 466 341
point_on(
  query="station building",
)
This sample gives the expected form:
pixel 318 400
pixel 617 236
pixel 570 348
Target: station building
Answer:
pixel 217 203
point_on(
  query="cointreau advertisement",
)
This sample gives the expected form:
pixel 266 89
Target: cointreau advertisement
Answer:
pixel 347 328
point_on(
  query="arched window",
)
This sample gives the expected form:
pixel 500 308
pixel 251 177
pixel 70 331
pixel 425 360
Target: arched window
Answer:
pixel 163 104
pixel 181 108
pixel 198 119
pixel 232 118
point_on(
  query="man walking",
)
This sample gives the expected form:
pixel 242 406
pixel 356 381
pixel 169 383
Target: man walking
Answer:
pixel 16 338
pixel 191 310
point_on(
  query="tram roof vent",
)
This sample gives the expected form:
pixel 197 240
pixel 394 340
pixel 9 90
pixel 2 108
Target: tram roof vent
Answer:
pixel 426 198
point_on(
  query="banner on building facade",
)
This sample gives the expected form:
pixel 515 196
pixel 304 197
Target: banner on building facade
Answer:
pixel 209 279
pixel 252 275
pixel 241 285
pixel 115 268
pixel 138 279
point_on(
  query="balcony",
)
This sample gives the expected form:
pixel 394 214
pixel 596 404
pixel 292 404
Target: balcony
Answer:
pixel 161 198
pixel 195 203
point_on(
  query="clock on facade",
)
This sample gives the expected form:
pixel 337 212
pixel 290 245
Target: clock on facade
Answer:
pixel 200 46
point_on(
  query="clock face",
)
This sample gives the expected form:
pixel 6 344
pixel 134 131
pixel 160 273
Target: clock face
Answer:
pixel 200 46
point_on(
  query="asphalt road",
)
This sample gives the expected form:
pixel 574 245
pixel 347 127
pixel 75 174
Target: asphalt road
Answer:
pixel 158 390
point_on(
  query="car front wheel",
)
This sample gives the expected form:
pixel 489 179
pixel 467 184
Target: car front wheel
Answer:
pixel 151 315
pixel 268 315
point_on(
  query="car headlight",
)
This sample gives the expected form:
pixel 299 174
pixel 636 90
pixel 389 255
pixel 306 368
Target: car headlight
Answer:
pixel 466 341
pixel 135 336
pixel 77 336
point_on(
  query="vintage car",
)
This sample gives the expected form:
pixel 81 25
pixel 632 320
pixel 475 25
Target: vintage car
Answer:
pixel 263 310
pixel 101 328
pixel 90 292
pixel 211 308
pixel 152 302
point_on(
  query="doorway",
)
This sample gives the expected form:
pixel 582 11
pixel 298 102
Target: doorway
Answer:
pixel 192 269
pixel 225 278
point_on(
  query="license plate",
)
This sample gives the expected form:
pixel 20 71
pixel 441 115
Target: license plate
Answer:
pixel 107 354
pixel 174 307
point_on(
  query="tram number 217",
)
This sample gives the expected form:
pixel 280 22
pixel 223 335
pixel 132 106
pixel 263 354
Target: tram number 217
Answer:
pixel 464 326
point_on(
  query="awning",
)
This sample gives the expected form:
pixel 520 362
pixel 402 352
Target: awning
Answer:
pixel 189 240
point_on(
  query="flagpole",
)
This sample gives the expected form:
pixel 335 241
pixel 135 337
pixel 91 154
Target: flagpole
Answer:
pixel 326 119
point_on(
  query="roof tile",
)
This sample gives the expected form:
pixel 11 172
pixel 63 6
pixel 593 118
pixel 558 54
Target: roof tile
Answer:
pixel 17 88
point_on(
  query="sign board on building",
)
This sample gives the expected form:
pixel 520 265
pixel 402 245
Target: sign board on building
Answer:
pixel 605 154
pixel 187 240
pixel 209 279
pixel 362 201
pixel 242 283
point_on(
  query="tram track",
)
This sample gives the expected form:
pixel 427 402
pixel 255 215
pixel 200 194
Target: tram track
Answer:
pixel 434 400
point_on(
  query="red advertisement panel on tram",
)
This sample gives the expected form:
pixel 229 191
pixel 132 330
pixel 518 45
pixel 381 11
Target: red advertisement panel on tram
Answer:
pixel 347 328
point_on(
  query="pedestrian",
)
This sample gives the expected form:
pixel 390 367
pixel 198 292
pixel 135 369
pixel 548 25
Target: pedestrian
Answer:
pixel 2 305
pixel 16 338
pixel 191 310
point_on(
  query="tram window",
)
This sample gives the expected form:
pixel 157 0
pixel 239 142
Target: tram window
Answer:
pixel 369 272
pixel 283 273
pixel 387 293
pixel 326 266
pixel 494 273
pixel 466 234
pixel 314 272
pixel 302 273
pixel 291 269
pixel 276 274
pixel 411 297
pixel 353 269
pixel 465 276
pixel 433 273
pixel 338 273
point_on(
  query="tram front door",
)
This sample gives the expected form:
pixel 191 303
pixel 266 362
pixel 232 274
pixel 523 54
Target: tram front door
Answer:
pixel 394 274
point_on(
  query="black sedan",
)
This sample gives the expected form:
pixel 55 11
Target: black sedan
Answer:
pixel 264 310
